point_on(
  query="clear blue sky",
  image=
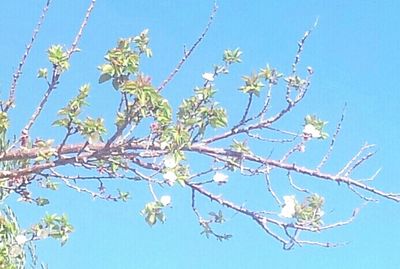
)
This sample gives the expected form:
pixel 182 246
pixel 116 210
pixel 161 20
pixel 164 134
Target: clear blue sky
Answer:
pixel 355 54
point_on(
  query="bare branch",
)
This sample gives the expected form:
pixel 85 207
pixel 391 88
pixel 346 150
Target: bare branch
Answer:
pixel 56 73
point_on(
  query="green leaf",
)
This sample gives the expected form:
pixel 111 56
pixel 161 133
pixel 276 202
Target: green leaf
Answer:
pixel 151 219
pixel 42 201
pixel 4 122
pixel 104 77
pixel 232 56
pixel 42 73
pixel 107 69
pixel 252 84
pixel 123 196
pixel 58 57
pixel 115 84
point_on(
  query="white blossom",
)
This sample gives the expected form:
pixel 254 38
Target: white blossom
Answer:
pixel 93 138
pixel 208 76
pixel 289 209
pixel 310 129
pixel 163 145
pixel 170 176
pixel 169 161
pixel 42 233
pixel 16 251
pixel 21 239
pixel 220 178
pixel 165 200
pixel 321 213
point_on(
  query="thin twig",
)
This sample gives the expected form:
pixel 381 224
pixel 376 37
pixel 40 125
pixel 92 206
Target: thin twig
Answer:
pixel 330 149
pixel 187 54
pixel 355 157
pixel 295 186
pixel 18 72
pixel 74 45
pixel 359 162
pixel 301 46
pixel 270 190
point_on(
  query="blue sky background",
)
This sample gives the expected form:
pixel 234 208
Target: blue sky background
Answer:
pixel 355 54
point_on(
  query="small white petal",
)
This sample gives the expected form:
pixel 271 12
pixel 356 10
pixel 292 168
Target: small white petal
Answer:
pixel 311 130
pixel 169 161
pixel 163 145
pixel 321 213
pixel 16 251
pixel 208 76
pixel 165 200
pixel 42 233
pixel 21 239
pixel 220 178
pixel 93 138
pixel 289 209
pixel 170 176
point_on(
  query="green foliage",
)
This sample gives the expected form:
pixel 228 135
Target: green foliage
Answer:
pixel 92 129
pixel 123 196
pixel 42 73
pixel 44 150
pixel 310 212
pixel 270 74
pixel 296 82
pixel 240 147
pixel 153 212
pixel 175 137
pixel 318 125
pixel 73 109
pixel 149 102
pixel 58 57
pixel 252 84
pixel 200 111
pixel 12 253
pixel 217 218
pixel 54 226
pixel 123 60
pixel 159 153
pixel 13 240
pixel 232 56
pixel 40 201
pixel 142 42
pixel 4 122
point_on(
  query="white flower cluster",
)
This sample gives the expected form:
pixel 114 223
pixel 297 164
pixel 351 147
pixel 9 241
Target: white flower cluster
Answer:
pixel 165 200
pixel 289 209
pixel 310 130
pixel 170 164
pixel 208 76
pixel 220 178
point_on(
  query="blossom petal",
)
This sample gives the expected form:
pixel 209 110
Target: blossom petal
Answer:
pixel 220 178
pixel 165 200
pixel 170 176
pixel 208 76
pixel 169 161
pixel 289 209
pixel 310 129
